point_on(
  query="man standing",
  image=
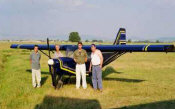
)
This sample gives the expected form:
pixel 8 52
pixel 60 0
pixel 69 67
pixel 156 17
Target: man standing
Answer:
pixel 96 64
pixel 57 53
pixel 80 57
pixel 35 64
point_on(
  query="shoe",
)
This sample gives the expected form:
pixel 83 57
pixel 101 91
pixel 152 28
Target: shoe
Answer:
pixel 101 90
pixel 84 88
pixel 38 86
pixel 95 90
pixel 34 86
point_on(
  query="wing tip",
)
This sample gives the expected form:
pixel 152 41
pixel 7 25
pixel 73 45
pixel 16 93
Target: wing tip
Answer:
pixel 14 46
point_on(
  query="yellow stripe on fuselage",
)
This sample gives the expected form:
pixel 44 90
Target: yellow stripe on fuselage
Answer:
pixel 146 48
pixel 18 46
pixel 62 68
pixel 65 69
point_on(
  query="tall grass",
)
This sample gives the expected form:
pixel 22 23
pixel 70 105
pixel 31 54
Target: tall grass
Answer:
pixel 134 81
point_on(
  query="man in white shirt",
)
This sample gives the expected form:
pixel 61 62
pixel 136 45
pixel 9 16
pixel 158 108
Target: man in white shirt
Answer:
pixel 57 53
pixel 96 65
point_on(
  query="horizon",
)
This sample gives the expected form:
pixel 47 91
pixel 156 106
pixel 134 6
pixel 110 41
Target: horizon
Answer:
pixel 93 40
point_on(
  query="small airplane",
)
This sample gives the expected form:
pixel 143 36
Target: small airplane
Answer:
pixel 66 65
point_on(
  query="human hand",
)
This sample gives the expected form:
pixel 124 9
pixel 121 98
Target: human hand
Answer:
pixel 90 69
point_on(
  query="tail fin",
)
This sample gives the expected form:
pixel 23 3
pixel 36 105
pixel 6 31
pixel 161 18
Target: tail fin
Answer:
pixel 121 37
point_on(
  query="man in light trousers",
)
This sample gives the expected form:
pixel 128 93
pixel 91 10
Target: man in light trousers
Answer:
pixel 35 64
pixel 80 57
pixel 96 65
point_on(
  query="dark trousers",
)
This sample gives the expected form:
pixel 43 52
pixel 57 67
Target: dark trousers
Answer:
pixel 97 76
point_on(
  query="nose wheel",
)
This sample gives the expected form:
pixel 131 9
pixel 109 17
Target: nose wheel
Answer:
pixel 59 84
pixel 56 78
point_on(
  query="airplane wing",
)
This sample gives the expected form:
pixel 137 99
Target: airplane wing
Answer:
pixel 103 48
pixel 40 46
pixel 137 48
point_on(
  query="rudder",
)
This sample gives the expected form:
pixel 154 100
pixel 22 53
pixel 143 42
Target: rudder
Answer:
pixel 121 37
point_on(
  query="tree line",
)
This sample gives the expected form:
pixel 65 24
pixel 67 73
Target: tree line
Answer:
pixel 75 37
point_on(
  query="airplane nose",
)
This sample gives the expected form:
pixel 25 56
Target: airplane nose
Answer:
pixel 50 62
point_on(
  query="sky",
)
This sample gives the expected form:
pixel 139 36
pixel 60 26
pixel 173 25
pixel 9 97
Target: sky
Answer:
pixel 93 19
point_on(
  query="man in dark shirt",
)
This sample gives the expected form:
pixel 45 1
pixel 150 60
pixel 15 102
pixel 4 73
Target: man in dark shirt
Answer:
pixel 80 57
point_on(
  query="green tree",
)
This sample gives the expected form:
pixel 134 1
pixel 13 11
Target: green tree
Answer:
pixel 74 37
pixel 157 41
pixel 87 41
pixel 101 41
pixel 94 40
pixel 129 41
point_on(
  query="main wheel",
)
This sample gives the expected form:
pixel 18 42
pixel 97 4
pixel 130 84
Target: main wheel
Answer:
pixel 59 84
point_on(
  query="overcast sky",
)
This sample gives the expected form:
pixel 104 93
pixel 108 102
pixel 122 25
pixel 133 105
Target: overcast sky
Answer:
pixel 93 19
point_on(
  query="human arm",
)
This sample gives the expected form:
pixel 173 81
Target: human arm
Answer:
pixel 39 56
pixel 101 58
pixel 90 67
pixel 30 59
pixel 86 56
pixel 74 56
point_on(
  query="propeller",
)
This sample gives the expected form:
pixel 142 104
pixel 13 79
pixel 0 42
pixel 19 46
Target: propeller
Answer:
pixel 50 66
pixel 48 46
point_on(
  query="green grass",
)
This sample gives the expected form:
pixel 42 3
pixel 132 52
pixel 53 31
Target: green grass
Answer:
pixel 134 81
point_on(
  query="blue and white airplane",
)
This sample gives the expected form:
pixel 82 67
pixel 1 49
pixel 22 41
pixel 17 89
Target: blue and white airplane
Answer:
pixel 66 65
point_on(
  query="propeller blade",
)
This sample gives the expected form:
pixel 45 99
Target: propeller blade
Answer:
pixel 48 47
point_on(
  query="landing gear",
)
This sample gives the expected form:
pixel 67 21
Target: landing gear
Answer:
pixel 68 80
pixel 57 77
pixel 59 83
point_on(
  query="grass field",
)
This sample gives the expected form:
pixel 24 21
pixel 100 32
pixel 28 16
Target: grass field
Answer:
pixel 134 81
